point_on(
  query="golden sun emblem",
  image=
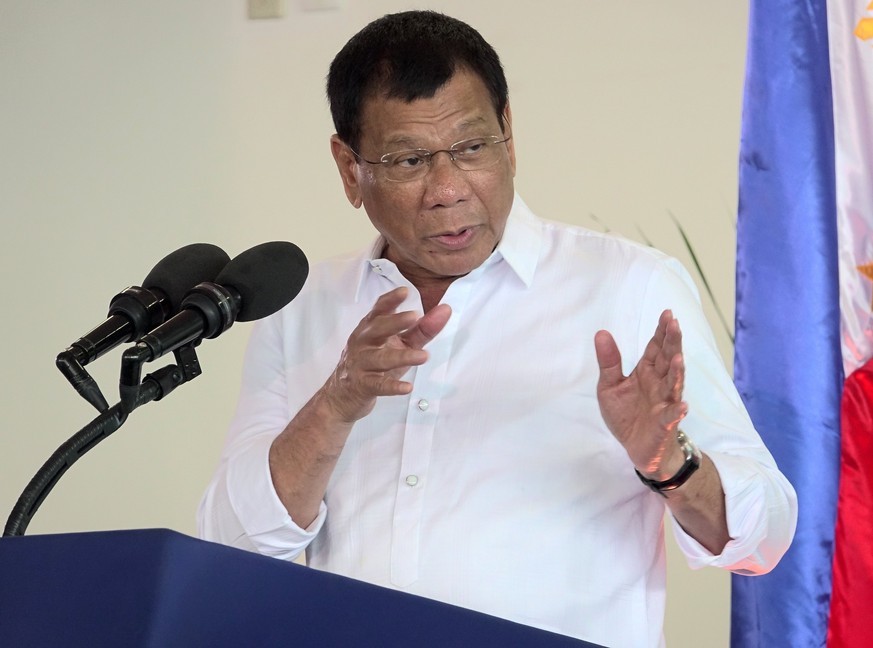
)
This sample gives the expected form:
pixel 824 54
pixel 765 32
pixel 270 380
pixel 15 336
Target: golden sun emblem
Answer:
pixel 867 271
pixel 864 30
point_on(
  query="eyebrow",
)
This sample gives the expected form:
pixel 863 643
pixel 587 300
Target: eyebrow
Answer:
pixel 462 128
pixel 401 141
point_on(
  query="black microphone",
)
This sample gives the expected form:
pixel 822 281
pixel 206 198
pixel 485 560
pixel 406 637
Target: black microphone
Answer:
pixel 255 284
pixel 137 310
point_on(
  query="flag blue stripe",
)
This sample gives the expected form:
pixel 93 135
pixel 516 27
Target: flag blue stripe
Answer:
pixel 788 365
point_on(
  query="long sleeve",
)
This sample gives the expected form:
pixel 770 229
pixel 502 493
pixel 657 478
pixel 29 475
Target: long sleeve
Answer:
pixel 761 504
pixel 240 507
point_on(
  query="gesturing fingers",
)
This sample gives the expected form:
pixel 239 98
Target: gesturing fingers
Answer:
pixel 376 344
pixel 400 330
pixel 653 354
pixel 670 362
pixel 674 408
pixel 379 351
pixel 672 344
pixel 664 346
pixel 382 321
pixel 427 328
pixel 675 379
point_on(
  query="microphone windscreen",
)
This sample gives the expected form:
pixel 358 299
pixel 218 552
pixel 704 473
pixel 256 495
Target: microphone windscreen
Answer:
pixel 267 277
pixel 183 269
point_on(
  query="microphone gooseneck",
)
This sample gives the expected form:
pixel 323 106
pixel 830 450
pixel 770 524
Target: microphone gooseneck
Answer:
pixel 253 285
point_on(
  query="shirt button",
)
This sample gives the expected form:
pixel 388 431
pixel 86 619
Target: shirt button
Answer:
pixel 411 480
pixel 423 405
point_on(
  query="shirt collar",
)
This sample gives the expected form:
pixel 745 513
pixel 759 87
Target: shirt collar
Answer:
pixel 521 241
pixel 519 247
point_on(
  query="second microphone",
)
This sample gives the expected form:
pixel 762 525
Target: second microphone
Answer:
pixel 255 284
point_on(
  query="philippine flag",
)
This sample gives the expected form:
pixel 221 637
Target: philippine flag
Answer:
pixel 804 322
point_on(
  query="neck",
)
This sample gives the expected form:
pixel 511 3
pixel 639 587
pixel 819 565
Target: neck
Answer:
pixel 430 288
pixel 432 292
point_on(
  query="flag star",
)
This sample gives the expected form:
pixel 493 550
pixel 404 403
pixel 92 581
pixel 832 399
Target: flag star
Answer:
pixel 867 271
pixel 864 30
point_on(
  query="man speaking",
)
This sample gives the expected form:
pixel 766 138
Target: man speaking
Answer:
pixel 483 407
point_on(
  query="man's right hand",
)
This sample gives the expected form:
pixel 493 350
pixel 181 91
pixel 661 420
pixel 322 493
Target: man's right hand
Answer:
pixel 379 351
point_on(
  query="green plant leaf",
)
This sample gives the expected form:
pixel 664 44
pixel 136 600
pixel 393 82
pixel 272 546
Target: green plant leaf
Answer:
pixel 702 274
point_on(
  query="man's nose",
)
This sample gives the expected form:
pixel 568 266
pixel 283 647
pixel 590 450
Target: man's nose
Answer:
pixel 446 183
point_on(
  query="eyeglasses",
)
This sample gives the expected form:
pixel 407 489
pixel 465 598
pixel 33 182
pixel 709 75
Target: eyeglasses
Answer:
pixel 470 155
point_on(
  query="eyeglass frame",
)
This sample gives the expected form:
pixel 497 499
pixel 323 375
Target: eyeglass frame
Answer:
pixel 428 155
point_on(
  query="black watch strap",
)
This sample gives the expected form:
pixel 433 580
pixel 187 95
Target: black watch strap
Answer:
pixel 692 463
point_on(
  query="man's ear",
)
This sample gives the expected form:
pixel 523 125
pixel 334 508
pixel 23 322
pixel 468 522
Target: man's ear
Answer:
pixel 510 145
pixel 347 167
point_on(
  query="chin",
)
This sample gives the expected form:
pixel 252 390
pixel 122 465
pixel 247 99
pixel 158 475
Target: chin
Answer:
pixel 458 269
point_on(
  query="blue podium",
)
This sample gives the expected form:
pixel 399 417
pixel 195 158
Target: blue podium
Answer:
pixel 161 589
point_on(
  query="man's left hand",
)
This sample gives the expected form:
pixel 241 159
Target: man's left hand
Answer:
pixel 643 410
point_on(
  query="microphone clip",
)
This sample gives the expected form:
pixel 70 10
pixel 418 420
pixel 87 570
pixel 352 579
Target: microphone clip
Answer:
pixel 134 392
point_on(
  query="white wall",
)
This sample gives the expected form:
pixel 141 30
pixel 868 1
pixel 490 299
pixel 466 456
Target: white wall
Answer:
pixel 128 129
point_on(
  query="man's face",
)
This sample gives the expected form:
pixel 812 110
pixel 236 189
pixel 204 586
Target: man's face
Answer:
pixel 446 223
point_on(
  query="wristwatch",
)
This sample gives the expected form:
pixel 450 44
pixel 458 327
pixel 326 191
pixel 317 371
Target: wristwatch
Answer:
pixel 692 463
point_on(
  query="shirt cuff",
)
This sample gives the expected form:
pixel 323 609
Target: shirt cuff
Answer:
pixel 258 508
pixel 746 511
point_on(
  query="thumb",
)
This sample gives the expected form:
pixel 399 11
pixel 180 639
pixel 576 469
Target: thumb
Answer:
pixel 608 359
pixel 427 327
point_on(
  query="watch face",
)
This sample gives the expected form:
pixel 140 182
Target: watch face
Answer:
pixel 692 463
pixel 688 448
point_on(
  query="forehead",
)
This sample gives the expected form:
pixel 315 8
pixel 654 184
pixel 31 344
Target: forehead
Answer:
pixel 461 108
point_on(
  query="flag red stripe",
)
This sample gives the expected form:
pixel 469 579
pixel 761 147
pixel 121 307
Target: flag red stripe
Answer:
pixel 851 615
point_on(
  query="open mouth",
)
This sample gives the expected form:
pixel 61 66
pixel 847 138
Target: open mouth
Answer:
pixel 458 239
